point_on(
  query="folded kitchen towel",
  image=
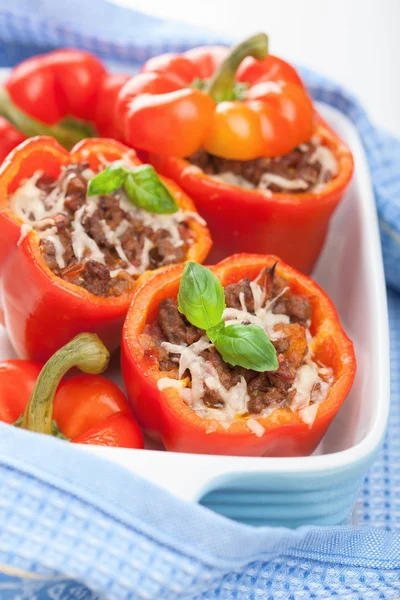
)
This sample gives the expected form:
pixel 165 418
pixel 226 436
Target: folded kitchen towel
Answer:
pixel 73 526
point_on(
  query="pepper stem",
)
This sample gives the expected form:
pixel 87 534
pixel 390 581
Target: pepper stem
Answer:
pixel 85 351
pixel 220 86
pixel 68 132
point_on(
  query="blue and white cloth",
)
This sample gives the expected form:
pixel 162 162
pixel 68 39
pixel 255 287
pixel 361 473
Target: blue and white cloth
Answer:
pixel 75 527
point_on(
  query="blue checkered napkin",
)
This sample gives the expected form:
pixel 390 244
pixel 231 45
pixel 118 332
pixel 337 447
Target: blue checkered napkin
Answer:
pixel 113 32
pixel 72 519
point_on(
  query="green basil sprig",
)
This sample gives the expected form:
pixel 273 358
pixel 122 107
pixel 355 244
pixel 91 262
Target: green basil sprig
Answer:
pixel 201 299
pixel 201 296
pixel 142 185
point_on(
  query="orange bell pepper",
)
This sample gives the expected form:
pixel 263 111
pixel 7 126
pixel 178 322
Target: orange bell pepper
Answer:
pixel 42 312
pixel 243 110
pixel 164 415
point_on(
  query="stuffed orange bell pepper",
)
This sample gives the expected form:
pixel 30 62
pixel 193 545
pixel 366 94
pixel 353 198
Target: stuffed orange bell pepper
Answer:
pixel 245 358
pixel 238 131
pixel 79 231
pixel 86 409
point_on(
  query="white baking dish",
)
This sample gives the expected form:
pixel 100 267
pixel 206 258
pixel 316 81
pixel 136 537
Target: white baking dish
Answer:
pixel 319 489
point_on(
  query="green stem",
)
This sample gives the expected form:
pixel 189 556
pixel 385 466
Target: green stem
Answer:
pixel 220 86
pixel 85 351
pixel 68 132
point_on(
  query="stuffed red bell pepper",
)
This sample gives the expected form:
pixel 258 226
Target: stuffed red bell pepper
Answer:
pixel 239 133
pixel 79 231
pixel 85 409
pixel 66 93
pixel 245 358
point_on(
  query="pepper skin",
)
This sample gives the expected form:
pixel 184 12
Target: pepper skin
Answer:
pixel 9 138
pixel 41 311
pixel 160 111
pixel 51 86
pixel 65 93
pixel 103 114
pixel 291 225
pixel 87 408
pixel 164 415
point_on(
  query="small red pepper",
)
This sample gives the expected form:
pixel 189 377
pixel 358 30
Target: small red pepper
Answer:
pixel 164 415
pixel 291 225
pixel 65 93
pixel 42 312
pixel 51 86
pixel 103 113
pixel 87 409
pixel 242 110
pixel 9 138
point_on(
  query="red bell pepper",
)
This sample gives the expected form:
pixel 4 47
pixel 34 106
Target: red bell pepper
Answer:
pixel 87 409
pixel 42 312
pixel 65 93
pixel 242 110
pixel 291 225
pixel 9 138
pixel 164 415
pixel 104 109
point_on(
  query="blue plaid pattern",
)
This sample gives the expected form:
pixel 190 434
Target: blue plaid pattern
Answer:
pixel 75 527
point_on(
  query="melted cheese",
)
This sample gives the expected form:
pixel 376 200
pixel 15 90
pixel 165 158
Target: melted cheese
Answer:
pixel 268 179
pixel 325 157
pixel 167 382
pixel 255 427
pixel 305 380
pixel 28 204
pixel 82 244
pixel 25 229
pixel 205 377
pixel 112 237
pixel 321 154
pixel 328 162
pixel 232 179
pixel 309 414
pixel 145 258
pixel 263 317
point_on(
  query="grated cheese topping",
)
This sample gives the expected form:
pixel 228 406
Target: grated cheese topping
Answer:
pixel 233 179
pixel 328 163
pixel 268 179
pixel 311 384
pixel 321 154
pixel 37 209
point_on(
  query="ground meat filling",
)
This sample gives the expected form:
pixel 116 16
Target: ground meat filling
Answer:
pixel 290 338
pixel 307 168
pixel 120 240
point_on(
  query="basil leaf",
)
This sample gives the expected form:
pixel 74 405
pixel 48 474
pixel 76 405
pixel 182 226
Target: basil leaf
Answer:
pixel 145 189
pixel 247 346
pixel 106 182
pixel 201 296
pixel 213 332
